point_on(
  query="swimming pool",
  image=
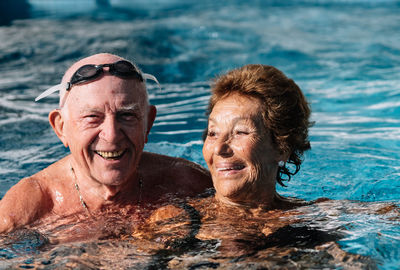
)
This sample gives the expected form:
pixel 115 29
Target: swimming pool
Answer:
pixel 345 55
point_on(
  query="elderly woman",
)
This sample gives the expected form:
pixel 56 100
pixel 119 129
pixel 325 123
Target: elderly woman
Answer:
pixel 257 132
pixel 258 123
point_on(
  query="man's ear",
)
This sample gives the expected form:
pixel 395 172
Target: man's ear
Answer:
pixel 151 116
pixel 57 123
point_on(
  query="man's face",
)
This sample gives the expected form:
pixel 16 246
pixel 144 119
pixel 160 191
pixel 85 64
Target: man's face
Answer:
pixel 105 127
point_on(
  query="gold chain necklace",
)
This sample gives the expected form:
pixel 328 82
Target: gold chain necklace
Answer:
pixel 80 194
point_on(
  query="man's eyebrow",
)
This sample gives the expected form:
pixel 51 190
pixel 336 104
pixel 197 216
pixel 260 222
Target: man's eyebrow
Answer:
pixel 125 108
pixel 89 110
pixel 130 107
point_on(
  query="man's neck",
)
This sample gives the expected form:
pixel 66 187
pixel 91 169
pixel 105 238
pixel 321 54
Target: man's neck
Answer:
pixel 96 195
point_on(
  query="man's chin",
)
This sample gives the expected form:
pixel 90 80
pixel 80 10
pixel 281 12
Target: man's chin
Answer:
pixel 112 179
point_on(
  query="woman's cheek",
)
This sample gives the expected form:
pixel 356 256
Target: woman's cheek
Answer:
pixel 245 147
pixel 207 152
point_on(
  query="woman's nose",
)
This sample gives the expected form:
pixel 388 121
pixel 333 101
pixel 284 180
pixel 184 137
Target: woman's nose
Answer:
pixel 110 130
pixel 222 147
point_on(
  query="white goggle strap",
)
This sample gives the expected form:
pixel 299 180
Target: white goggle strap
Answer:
pixel 51 90
pixel 60 86
pixel 148 76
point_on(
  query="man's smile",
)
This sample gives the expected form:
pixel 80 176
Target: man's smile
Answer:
pixel 110 154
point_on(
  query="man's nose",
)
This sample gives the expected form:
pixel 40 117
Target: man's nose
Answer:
pixel 223 147
pixel 110 130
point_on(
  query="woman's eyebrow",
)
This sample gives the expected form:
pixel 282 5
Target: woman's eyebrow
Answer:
pixel 235 120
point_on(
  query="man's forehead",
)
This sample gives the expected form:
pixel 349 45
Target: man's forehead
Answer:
pixel 133 106
pixel 102 58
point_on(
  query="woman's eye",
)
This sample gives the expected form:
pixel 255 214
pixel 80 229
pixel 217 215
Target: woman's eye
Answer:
pixel 241 132
pixel 211 133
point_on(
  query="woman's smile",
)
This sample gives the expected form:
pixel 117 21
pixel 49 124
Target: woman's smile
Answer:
pixel 229 168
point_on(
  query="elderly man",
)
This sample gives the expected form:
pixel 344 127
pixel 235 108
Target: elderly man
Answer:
pixel 104 119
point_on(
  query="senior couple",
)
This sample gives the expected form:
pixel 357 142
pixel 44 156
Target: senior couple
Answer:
pixel 258 123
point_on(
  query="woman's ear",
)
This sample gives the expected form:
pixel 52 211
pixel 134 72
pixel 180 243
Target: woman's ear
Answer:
pixel 151 116
pixel 57 123
pixel 283 157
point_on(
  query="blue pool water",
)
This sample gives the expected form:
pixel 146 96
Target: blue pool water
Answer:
pixel 345 55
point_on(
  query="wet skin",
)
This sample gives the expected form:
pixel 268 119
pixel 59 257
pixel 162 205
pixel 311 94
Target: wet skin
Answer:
pixel 106 131
pixel 105 123
pixel 243 164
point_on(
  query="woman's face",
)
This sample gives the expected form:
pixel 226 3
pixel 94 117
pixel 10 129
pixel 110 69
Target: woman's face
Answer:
pixel 239 152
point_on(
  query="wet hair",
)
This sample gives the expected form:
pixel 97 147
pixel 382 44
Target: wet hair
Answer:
pixel 286 111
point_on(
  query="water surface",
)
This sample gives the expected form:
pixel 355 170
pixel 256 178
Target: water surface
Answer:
pixel 345 55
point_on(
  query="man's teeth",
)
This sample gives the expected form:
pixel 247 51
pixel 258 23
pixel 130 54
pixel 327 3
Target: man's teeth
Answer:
pixel 237 167
pixel 112 154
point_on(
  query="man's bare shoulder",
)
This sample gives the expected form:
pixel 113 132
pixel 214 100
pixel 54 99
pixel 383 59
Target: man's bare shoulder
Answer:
pixel 27 200
pixel 168 161
pixel 174 174
pixel 53 171
pixel 21 204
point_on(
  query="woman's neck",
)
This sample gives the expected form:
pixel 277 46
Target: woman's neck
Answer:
pixel 248 203
pixel 256 205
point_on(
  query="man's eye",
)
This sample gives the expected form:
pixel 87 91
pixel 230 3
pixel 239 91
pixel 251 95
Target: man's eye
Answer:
pixel 91 116
pixel 127 116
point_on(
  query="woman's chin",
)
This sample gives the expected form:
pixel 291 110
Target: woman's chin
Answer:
pixel 229 195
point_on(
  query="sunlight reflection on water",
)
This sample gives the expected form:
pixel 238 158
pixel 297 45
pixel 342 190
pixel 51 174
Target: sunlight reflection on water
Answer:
pixel 343 54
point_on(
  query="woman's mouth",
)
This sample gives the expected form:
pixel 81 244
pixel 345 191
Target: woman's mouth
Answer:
pixel 236 167
pixel 111 154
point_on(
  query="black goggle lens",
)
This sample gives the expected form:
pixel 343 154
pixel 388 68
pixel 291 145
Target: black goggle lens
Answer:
pixel 86 73
pixel 123 69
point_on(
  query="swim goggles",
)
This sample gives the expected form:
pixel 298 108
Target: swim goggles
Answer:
pixel 122 69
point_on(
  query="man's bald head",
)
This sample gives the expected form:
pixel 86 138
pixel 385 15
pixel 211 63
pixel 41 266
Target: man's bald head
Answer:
pixel 96 59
